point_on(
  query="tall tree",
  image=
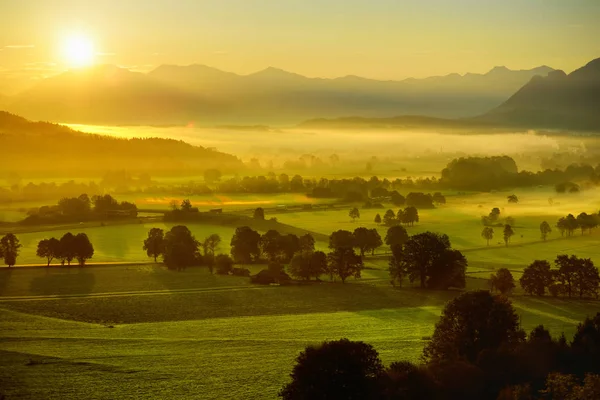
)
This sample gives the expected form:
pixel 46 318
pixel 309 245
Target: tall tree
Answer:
pixel 306 265
pixel 181 248
pixel 377 219
pixel 502 281
pixel 471 323
pixel 9 249
pixel 410 215
pixel 341 239
pixel 361 239
pixel 536 277
pixel 211 244
pixel 354 213
pixel 48 249
pixel 507 234
pixel 259 213
pixel 389 218
pixel 245 245
pixel 154 244
pixel 396 235
pixel 545 230
pixel 344 263
pixel 561 224
pixel 272 244
pixel 67 248
pixel 374 241
pixel 83 248
pixel 307 243
pixel 488 234
pixel 335 370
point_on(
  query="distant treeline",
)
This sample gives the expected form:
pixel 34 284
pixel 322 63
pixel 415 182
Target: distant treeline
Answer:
pixel 82 208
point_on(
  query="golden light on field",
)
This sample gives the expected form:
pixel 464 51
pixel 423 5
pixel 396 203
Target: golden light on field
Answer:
pixel 78 51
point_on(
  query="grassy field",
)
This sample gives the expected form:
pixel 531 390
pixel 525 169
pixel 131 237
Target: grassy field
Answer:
pixel 194 335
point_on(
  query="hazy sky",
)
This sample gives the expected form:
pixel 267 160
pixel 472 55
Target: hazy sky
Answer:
pixel 384 39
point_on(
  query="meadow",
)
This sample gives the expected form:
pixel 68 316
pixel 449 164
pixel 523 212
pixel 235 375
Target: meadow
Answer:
pixel 142 331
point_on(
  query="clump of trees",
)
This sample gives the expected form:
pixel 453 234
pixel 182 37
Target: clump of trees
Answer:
pixel 478 351
pixel 66 249
pixel 429 259
pixel 502 281
pixel 9 249
pixel 488 234
pixel 408 217
pixel 583 221
pixel 572 276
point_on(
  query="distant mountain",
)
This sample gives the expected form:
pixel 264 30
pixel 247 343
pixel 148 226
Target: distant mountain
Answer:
pixel 179 94
pixel 399 122
pixel 56 150
pixel 556 101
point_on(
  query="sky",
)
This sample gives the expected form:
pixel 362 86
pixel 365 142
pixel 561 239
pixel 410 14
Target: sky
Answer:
pixel 380 39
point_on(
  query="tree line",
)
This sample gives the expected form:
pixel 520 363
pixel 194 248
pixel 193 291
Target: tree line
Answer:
pixel 478 351
pixel 408 216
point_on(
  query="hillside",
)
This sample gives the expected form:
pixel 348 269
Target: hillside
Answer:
pixel 181 94
pixel 56 149
pixel 399 122
pixel 557 101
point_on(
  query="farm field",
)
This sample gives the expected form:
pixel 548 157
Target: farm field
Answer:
pixel 182 344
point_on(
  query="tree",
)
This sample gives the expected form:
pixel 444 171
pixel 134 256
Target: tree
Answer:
pixel 512 199
pixel 361 239
pixel 439 198
pixel 344 263
pixel 545 230
pixel 536 277
pixel 259 213
pixel 186 205
pixel 290 245
pixel 210 244
pixel 339 369
pixel 488 234
pixel 154 244
pixel 502 281
pixel 389 218
pixel 410 215
pixel 373 241
pixel 341 239
pixel 586 221
pixel 67 248
pixel 306 265
pixel 507 234
pixel 245 245
pixel 470 323
pixel 377 219
pixel 428 257
pixel 571 224
pixel 212 175
pixel 396 235
pixel 354 213
pixel 397 267
pixel 83 249
pixel 223 264
pixel 180 248
pixel 397 199
pixel 307 243
pixel 271 243
pixel 49 249
pixel 577 275
pixel 404 380
pixel 9 249
pixel 561 224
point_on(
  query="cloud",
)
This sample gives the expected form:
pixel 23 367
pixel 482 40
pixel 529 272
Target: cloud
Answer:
pixel 19 46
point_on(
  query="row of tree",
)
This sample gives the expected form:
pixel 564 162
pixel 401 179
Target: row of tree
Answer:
pixel 478 351
pixel 408 216
pixel 66 249
pixel 507 232
pixel 583 221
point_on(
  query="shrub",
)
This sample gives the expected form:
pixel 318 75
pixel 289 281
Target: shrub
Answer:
pixel 240 272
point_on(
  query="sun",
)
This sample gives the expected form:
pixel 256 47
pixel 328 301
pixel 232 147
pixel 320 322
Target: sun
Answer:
pixel 78 51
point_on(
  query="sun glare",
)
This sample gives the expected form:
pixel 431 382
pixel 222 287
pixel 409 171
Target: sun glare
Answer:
pixel 78 51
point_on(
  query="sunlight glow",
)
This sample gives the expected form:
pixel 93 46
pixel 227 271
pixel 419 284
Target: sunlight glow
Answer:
pixel 78 51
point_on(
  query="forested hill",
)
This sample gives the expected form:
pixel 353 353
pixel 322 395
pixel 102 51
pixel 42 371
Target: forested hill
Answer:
pixel 28 146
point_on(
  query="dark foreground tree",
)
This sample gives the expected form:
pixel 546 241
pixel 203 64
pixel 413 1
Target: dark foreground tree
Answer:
pixel 396 235
pixel 245 245
pixel 180 248
pixel 9 249
pixel 83 249
pixel 470 323
pixel 502 281
pixel 339 369
pixel 404 380
pixel 48 249
pixel 536 277
pixel 154 244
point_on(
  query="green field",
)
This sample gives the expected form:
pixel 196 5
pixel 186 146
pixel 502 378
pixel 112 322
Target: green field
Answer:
pixel 194 335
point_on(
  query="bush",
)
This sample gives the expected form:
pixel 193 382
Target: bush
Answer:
pixel 266 277
pixel 223 264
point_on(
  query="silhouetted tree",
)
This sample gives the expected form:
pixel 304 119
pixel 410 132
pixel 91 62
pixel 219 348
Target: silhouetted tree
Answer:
pixel 354 213
pixel 67 248
pixel 397 199
pixel 154 244
pixel 410 216
pixel 83 248
pixel 186 205
pixel 507 234
pixel 545 230
pixel 307 243
pixel 9 249
pixel 180 248
pixel 470 323
pixel 502 281
pixel 223 264
pixel 259 213
pixel 439 198
pixel 377 219
pixel 48 249
pixel 536 277
pixel 396 235
pixel 512 199
pixel 404 380
pixel 577 275
pixel 210 244
pixel 343 262
pixel 339 369
pixel 389 218
pixel 306 265
pixel 341 239
pixel 561 224
pixel 245 245
pixel 272 244
pixel 488 234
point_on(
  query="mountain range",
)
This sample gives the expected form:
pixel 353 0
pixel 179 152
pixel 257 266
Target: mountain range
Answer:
pixel 181 94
